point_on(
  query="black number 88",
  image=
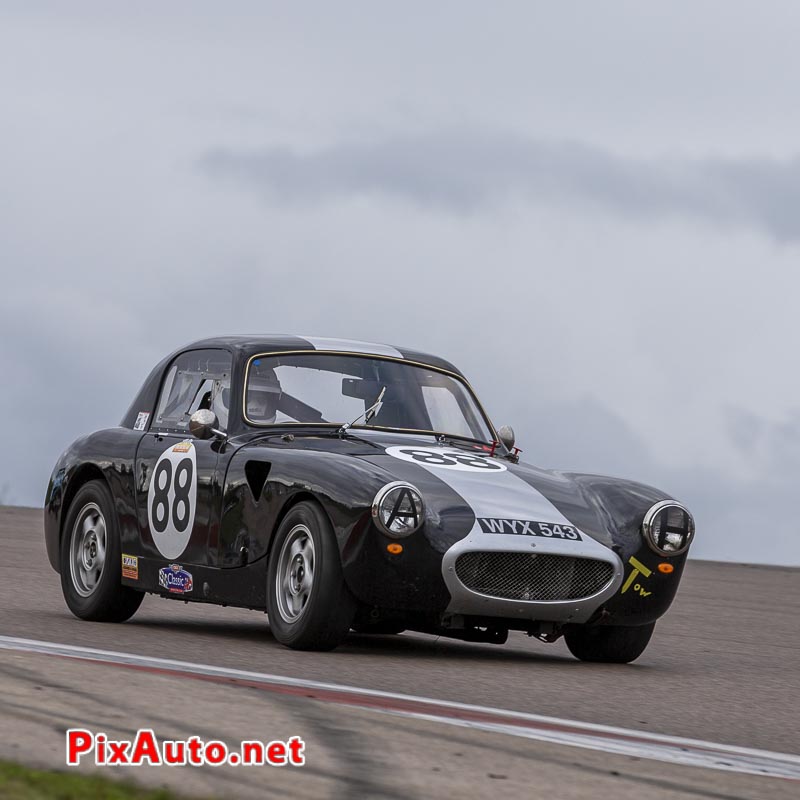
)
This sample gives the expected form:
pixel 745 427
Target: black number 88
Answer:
pixel 181 510
pixel 451 459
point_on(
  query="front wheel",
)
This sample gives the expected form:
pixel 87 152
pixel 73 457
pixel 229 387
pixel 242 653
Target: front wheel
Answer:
pixel 610 644
pixel 308 604
pixel 90 559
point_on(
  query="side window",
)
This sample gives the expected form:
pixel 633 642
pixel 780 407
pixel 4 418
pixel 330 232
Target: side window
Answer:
pixel 195 379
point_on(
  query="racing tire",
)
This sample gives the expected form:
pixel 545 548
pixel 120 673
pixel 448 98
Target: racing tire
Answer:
pixel 90 559
pixel 609 644
pixel 308 603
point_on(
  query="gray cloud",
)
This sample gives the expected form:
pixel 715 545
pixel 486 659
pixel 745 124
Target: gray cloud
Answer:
pixel 465 171
pixel 737 519
pixel 513 254
pixel 771 445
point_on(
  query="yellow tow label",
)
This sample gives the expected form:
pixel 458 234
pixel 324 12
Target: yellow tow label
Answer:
pixel 638 568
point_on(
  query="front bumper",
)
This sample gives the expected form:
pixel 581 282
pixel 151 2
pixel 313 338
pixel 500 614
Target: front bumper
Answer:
pixel 469 602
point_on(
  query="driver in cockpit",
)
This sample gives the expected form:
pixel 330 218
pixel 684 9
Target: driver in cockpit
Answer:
pixel 263 396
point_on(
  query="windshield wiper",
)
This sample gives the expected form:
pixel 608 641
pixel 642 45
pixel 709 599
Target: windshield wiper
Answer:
pixel 368 414
pixel 448 438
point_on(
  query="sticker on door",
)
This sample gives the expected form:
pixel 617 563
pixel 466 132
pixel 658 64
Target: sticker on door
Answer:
pixel 172 499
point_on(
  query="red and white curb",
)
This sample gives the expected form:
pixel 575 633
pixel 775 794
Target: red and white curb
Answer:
pixel 605 738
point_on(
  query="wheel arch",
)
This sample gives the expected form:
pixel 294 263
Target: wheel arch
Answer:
pixel 82 475
pixel 298 497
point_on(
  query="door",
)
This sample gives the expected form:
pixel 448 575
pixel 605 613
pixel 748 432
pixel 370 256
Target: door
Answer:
pixel 177 476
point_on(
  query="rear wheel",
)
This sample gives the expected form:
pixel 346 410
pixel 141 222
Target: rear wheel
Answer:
pixel 90 559
pixel 612 644
pixel 308 604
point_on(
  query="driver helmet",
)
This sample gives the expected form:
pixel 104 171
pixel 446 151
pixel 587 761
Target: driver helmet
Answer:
pixel 263 395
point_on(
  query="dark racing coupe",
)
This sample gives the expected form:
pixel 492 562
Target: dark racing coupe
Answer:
pixel 340 485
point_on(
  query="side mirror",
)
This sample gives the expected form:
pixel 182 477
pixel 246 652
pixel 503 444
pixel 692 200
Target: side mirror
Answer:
pixel 203 424
pixel 506 435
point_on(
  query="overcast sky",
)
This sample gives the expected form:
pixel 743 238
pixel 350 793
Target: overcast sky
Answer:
pixel 592 208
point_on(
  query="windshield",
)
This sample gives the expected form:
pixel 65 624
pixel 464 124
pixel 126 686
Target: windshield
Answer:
pixel 321 388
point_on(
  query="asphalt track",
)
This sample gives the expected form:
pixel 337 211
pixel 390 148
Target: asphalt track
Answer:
pixel 724 667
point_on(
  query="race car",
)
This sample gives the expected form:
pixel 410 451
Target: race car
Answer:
pixel 339 485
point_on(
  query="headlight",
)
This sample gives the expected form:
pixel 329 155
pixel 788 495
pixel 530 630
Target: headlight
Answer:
pixel 668 528
pixel 397 509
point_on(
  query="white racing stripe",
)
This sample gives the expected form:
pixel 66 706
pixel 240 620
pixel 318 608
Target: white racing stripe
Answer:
pixel 352 346
pixel 553 730
pixel 491 491
pixel 496 492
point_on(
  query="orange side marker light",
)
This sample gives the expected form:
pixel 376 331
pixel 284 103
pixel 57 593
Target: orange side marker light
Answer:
pixel 665 568
pixel 394 548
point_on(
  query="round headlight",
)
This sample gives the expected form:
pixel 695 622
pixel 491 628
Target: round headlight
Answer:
pixel 668 528
pixel 397 509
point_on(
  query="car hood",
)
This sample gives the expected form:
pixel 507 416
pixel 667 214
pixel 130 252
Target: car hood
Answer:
pixel 466 490
pixel 464 498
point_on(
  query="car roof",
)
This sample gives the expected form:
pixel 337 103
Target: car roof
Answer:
pixel 268 343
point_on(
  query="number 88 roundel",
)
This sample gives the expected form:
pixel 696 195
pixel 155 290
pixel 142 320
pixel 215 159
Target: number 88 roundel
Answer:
pixel 172 499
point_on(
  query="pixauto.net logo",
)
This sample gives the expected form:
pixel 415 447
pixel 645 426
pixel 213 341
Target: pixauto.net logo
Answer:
pixel 146 749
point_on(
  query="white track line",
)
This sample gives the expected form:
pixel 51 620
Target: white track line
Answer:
pixel 621 741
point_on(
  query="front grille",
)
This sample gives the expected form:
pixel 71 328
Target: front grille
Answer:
pixel 526 576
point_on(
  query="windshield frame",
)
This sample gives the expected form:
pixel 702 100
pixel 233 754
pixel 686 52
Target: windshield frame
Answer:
pixel 374 356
